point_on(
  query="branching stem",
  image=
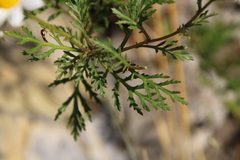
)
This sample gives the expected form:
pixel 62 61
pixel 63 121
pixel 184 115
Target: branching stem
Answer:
pixel 187 25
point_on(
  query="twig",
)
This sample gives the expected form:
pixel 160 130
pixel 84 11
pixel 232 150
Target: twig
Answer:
pixel 187 25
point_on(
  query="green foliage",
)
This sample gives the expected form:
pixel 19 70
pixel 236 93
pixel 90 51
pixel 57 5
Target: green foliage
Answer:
pixel 198 19
pixel 30 38
pixel 219 52
pixel 135 12
pixel 203 18
pixel 207 41
pixel 87 61
pixel 171 50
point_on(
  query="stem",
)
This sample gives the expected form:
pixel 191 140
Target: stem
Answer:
pixel 150 41
pixel 127 35
pixel 123 134
pixel 187 25
pixel 198 13
pixel 59 47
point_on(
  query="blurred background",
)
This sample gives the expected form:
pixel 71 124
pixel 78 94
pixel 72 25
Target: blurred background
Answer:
pixel 208 128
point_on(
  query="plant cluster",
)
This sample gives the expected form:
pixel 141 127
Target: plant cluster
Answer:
pixel 88 60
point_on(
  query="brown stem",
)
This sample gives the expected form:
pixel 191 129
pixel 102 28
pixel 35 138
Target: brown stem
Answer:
pixel 187 25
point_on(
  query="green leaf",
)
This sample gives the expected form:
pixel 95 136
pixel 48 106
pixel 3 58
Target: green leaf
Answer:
pixel 76 119
pixel 85 105
pixel 54 15
pixel 158 1
pixel 41 56
pixel 33 50
pixel 63 107
pixel 124 19
pixel 133 103
pixel 203 18
pixel 31 38
pixel 182 55
pixel 115 96
pixel 142 99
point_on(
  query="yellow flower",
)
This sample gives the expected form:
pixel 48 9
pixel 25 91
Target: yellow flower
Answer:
pixel 12 10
